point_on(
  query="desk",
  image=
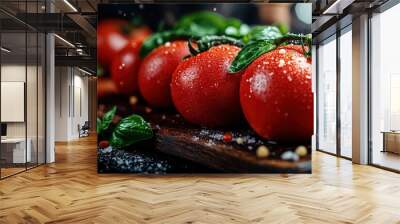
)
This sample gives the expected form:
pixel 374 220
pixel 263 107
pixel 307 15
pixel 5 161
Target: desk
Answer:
pixel 391 141
pixel 16 147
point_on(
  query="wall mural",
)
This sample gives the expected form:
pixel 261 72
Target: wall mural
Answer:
pixel 204 88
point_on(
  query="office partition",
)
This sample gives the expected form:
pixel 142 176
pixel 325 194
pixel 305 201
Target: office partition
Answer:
pixel 23 87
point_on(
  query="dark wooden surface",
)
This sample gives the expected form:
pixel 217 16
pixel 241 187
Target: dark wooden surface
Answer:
pixel 205 146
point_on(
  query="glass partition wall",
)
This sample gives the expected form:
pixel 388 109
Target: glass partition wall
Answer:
pixel 345 92
pixel 22 77
pixel 334 94
pixel 385 90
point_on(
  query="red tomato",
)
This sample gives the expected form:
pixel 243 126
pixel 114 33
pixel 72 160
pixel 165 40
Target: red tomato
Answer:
pixel 276 95
pixel 110 40
pixel 139 34
pixel 156 71
pixel 203 91
pixel 124 68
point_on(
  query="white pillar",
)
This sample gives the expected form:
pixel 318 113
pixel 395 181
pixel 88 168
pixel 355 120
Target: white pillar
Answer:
pixel 360 90
pixel 50 92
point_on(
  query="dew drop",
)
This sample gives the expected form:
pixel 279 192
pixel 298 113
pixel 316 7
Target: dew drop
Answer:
pixel 281 63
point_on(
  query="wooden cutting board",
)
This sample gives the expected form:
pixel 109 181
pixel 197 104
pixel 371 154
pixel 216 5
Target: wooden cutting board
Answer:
pixel 206 146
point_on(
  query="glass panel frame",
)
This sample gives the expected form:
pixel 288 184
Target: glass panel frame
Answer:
pixel 383 72
pixel 326 108
pixel 15 153
pixel 27 57
pixel 345 93
pixel 340 143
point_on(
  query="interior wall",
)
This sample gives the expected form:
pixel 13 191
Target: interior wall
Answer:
pixel 71 102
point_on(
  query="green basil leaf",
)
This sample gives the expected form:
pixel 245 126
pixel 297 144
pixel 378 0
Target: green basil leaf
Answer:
pixel 195 25
pixel 256 48
pixel 98 125
pixel 237 32
pixel 107 119
pixel 130 130
pixel 283 28
pixel 202 23
pixel 249 53
pixel 257 33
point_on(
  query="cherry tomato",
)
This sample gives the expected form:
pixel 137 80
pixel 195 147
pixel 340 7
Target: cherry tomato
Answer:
pixel 139 34
pixel 156 71
pixel 203 91
pixel 110 40
pixel 124 68
pixel 276 95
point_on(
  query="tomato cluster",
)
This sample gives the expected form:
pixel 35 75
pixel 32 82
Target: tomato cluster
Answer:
pixel 118 48
pixel 272 92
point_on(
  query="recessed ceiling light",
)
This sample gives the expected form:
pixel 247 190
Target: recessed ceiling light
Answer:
pixel 64 40
pixel 5 50
pixel 337 7
pixel 84 71
pixel 70 5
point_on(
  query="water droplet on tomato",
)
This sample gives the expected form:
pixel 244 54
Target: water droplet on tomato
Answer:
pixel 281 63
pixel 259 83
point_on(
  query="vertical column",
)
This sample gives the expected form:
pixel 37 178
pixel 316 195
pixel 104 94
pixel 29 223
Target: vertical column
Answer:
pixel 50 92
pixel 314 90
pixel 360 90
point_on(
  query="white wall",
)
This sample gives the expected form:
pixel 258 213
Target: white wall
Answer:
pixel 70 83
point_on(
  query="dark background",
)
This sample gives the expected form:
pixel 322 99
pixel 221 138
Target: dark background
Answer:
pixel 249 13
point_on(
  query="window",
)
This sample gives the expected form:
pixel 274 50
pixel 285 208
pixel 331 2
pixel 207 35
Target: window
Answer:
pixel 385 89
pixel 326 96
pixel 346 75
